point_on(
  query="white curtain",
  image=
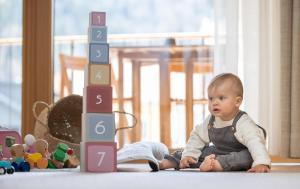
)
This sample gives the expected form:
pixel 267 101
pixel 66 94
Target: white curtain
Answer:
pixel 236 46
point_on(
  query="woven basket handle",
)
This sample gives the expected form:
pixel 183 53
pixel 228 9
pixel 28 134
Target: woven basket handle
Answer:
pixel 129 126
pixel 35 114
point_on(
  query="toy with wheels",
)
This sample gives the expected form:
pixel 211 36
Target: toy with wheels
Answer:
pixel 6 167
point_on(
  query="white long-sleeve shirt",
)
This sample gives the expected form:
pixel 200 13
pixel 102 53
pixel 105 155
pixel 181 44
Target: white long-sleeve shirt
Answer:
pixel 247 133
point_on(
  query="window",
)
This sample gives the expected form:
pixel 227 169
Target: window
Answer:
pixel 140 87
pixel 10 63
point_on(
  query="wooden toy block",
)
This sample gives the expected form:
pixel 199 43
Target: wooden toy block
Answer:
pixel 97 99
pixel 97 18
pixel 98 53
pixel 97 34
pixel 98 127
pixel 101 156
pixel 97 74
pixel 7 139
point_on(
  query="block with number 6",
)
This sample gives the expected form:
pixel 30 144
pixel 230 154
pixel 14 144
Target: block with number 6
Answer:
pixel 98 127
pixel 100 156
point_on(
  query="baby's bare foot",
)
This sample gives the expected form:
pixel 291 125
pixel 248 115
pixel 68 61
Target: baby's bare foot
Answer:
pixel 207 164
pixel 216 166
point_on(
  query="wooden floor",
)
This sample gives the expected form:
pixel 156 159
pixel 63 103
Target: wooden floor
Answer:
pixel 280 164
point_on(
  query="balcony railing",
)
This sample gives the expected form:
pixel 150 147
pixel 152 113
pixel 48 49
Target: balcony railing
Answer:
pixel 175 43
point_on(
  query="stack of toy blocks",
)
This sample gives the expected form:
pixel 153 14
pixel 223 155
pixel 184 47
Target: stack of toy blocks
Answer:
pixel 98 148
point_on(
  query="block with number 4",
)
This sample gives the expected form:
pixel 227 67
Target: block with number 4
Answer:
pixel 98 99
pixel 98 127
pixel 99 53
pixel 100 156
pixel 97 19
pixel 97 74
pixel 97 34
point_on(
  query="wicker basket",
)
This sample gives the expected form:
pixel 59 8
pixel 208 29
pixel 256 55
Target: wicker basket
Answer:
pixel 60 122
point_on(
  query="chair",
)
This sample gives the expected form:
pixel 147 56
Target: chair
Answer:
pixel 69 63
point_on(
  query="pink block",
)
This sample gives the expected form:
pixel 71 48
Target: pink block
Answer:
pixel 99 99
pixel 97 18
pixel 8 137
pixel 101 156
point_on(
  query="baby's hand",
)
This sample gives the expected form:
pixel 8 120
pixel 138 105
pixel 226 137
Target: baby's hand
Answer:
pixel 185 162
pixel 259 169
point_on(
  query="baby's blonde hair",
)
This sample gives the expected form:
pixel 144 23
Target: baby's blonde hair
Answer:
pixel 237 85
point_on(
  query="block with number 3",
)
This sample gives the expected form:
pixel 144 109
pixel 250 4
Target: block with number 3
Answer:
pixel 100 156
pixel 99 53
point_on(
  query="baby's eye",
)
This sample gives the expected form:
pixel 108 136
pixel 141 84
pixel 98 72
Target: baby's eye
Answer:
pixel 222 97
pixel 210 98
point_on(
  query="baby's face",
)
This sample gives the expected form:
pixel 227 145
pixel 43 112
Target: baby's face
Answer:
pixel 223 102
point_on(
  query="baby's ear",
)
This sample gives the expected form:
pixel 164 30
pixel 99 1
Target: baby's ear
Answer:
pixel 239 100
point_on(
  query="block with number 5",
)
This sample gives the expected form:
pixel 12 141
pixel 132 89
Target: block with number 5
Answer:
pixel 99 53
pixel 98 99
pixel 100 156
pixel 98 127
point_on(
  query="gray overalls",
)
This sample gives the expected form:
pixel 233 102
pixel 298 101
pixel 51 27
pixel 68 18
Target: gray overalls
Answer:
pixel 232 155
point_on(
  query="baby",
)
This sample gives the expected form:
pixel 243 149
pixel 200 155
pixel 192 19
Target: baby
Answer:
pixel 228 140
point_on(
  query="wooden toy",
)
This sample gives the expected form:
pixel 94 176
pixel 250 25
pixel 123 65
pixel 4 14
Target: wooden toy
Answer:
pixel 41 146
pixel 6 167
pixel 98 127
pixel 98 99
pixel 97 34
pixel 29 143
pixel 62 157
pixel 97 19
pixel 98 149
pixel 100 156
pixel 40 158
pixel 99 53
pixel 97 74
pixel 7 139
pixel 18 155
pixel 36 160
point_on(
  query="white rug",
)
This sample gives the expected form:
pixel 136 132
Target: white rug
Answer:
pixel 138 176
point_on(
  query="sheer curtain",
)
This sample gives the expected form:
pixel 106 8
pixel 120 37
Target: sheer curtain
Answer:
pixel 236 46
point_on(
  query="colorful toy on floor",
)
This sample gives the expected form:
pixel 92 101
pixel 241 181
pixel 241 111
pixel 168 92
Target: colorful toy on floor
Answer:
pixel 6 167
pixel 29 143
pixel 63 157
pixel 18 161
pixel 40 158
pixel 7 139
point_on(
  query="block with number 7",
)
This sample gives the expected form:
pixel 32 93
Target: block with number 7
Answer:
pixel 100 156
